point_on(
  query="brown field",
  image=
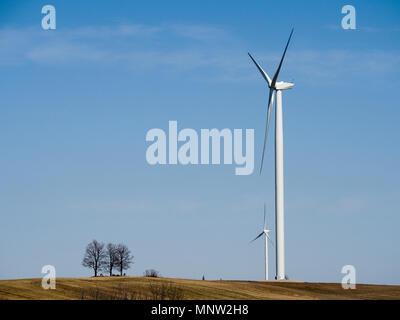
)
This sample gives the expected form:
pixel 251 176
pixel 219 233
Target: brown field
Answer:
pixel 166 288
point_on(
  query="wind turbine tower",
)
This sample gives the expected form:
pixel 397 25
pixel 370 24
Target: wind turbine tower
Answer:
pixel 265 232
pixel 278 87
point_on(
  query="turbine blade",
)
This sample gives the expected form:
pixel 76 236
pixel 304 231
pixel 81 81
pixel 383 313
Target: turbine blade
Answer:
pixel 263 73
pixel 280 64
pixel 270 103
pixel 257 237
pixel 264 215
pixel 272 243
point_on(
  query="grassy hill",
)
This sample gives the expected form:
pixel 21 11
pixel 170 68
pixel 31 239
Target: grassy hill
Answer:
pixel 166 288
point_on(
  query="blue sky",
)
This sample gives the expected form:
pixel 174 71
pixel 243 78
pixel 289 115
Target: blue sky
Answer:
pixel 77 102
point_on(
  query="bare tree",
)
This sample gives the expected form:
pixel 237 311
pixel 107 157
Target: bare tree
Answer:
pixel 95 256
pixel 124 258
pixel 111 259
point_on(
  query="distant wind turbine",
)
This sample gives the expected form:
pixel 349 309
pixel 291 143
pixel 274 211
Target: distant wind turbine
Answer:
pixel 265 232
pixel 279 190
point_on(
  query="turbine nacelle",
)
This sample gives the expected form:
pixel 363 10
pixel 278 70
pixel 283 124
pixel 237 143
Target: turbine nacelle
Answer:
pixel 282 85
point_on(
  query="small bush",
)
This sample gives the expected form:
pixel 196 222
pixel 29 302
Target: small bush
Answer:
pixel 151 273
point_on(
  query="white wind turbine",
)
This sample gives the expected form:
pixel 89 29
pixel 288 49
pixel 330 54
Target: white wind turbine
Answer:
pixel 265 232
pixel 279 196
